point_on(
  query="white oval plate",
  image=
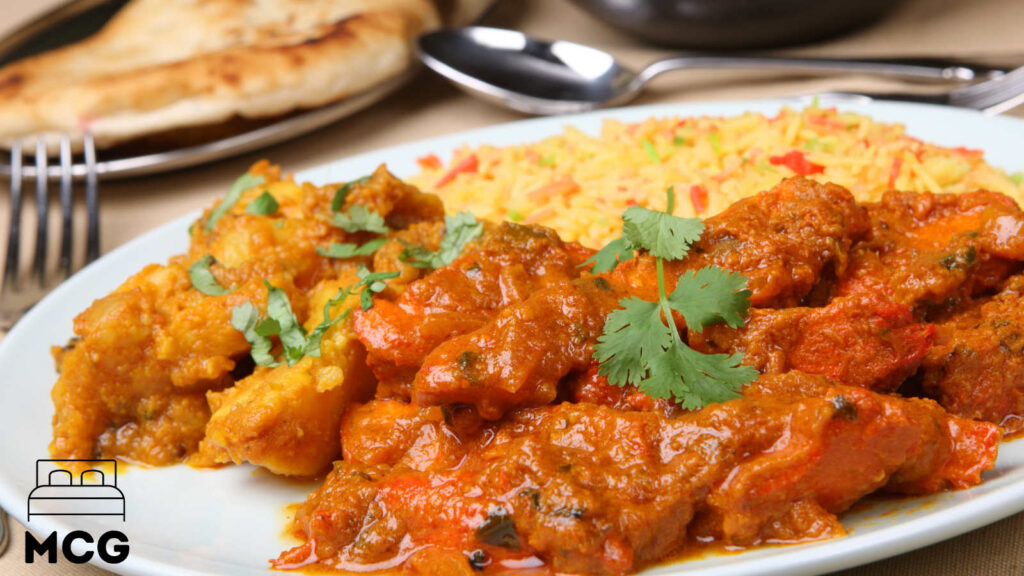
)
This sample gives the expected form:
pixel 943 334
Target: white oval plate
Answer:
pixel 231 521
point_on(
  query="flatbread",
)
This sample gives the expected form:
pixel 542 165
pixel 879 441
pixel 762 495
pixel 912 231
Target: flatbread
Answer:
pixel 161 65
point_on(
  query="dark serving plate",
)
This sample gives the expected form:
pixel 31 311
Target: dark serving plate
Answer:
pixel 736 24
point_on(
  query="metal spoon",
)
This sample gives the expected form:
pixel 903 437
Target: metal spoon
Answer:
pixel 511 69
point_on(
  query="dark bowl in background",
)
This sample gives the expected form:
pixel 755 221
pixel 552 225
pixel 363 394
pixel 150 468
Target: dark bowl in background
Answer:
pixel 736 24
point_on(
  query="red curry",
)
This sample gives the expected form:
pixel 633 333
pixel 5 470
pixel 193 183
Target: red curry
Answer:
pixel 889 338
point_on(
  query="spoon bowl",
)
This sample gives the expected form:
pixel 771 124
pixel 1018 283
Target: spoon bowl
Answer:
pixel 528 75
pixel 511 69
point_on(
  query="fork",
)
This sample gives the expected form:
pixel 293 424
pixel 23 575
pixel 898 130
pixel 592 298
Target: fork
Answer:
pixel 19 294
pixel 993 96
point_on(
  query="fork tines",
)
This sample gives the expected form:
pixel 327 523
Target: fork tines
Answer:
pixel 14 288
pixel 994 96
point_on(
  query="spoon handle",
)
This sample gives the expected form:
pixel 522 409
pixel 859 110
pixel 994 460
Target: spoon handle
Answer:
pixel 918 68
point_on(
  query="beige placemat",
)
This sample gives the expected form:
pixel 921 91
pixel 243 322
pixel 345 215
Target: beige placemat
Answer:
pixel 430 108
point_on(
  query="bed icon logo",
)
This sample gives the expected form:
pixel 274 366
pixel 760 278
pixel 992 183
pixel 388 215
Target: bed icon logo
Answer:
pixel 76 488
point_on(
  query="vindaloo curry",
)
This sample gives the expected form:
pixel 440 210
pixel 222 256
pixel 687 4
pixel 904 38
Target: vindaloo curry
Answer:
pixel 487 398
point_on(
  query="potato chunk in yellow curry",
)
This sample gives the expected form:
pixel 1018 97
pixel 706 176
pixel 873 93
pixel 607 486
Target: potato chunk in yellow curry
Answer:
pixel 157 373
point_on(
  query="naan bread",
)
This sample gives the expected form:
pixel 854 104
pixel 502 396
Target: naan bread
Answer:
pixel 162 65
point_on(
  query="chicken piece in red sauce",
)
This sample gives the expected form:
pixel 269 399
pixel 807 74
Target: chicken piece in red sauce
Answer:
pixel 976 368
pixel 927 249
pixel 862 340
pixel 520 356
pixel 591 387
pixel 782 240
pixel 505 267
pixel 589 489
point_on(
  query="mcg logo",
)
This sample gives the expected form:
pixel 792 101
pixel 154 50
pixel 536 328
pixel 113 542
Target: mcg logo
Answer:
pixel 93 492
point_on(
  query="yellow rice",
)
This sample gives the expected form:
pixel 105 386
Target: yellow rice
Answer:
pixel 580 184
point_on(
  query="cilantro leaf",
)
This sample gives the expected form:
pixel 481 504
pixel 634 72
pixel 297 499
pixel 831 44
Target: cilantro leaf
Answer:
pixel 632 335
pixel 460 230
pixel 417 256
pixel 336 250
pixel 245 182
pixel 312 347
pixel 281 320
pixel 663 235
pixel 342 193
pixel 640 344
pixel 373 283
pixel 694 379
pixel 606 259
pixel 264 204
pixel 203 280
pixel 268 327
pixel 291 333
pixel 709 296
pixel 359 218
pixel 245 318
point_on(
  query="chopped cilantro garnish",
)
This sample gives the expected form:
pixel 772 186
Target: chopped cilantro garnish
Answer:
pixel 460 229
pixel 374 284
pixel 641 344
pixel 312 347
pixel 281 321
pixel 651 152
pixel 337 250
pixel 514 215
pixel 546 161
pixel 288 329
pixel 245 182
pixel 202 279
pixel 246 318
pixel 342 193
pixel 359 218
pixel 679 141
pixel 1017 177
pixel 264 204
pixel 715 142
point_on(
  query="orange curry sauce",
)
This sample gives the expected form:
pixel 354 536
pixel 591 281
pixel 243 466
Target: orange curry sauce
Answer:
pixel 462 422
pixel 889 341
